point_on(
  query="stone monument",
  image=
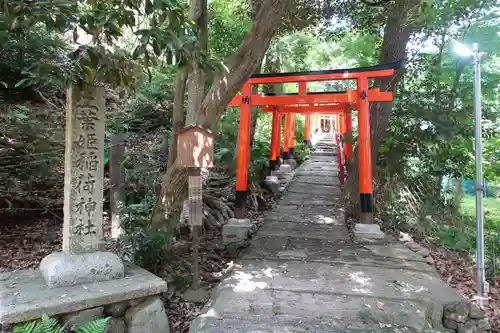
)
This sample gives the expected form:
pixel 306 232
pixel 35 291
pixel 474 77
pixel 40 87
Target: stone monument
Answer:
pixel 83 282
pixel 82 260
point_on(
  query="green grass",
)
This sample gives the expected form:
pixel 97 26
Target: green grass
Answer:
pixel 491 211
pixel 461 234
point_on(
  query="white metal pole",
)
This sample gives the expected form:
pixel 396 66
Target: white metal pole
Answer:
pixel 480 273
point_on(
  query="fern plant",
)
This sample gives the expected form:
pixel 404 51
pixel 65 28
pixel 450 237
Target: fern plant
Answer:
pixel 51 325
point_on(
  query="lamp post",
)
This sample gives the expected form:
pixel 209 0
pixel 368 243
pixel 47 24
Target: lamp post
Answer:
pixel 481 284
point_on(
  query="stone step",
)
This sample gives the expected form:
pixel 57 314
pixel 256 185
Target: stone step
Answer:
pixel 318 181
pixel 271 296
pixel 288 323
pixel 305 190
pixel 306 230
pixel 306 214
pixel 335 251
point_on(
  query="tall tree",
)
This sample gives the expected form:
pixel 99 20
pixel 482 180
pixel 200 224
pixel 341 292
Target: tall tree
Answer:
pixel 196 78
pixel 400 23
pixel 225 85
pixel 271 15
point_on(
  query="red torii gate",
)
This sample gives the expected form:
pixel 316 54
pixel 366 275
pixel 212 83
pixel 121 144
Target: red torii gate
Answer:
pixel 312 102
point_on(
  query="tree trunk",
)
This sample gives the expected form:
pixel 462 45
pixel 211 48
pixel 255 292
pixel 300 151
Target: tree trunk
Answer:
pixel 177 114
pixel 224 86
pixel 396 35
pixel 196 79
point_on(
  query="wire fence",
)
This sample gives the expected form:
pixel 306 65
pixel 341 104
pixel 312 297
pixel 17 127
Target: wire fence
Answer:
pixel 40 181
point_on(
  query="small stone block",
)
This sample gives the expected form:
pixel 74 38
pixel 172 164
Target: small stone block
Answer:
pixel 277 173
pixel 273 183
pixel 149 316
pixel 476 312
pixel 235 221
pixel 234 233
pixel 82 317
pixel 285 168
pixel 116 325
pixel 483 325
pixel 368 231
pixel 272 179
pixel 61 270
pixel 291 162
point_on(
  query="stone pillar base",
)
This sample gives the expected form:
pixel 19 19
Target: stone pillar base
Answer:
pixel 285 168
pixel 368 231
pixel 277 173
pixel 61 270
pixel 291 162
pixel 273 183
pixel 235 231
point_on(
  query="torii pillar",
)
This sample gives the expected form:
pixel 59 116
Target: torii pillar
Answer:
pixel 348 134
pixel 275 140
pixel 364 153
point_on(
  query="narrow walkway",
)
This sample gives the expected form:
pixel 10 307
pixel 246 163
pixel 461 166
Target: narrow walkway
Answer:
pixel 302 272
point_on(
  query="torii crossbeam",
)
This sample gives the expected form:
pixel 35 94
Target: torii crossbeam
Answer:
pixel 309 103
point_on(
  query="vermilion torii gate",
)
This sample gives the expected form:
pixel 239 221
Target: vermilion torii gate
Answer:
pixel 340 103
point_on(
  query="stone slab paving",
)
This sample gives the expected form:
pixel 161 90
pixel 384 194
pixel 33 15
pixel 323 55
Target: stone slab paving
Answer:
pixel 302 272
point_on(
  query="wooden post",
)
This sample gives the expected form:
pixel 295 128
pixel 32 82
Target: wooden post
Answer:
pixel 195 200
pixel 195 151
pixel 243 152
pixel 364 151
pixel 117 180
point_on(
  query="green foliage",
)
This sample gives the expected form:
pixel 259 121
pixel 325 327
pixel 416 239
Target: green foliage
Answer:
pixel 32 145
pixel 145 246
pixel 51 325
pixel 461 234
pixel 228 23
pixel 35 51
pixel 167 33
pixel 94 326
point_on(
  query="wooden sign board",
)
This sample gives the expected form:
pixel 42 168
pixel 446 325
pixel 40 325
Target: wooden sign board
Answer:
pixel 195 185
pixel 195 148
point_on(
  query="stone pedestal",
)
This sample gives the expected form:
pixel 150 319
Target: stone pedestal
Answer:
pixel 368 232
pixel 273 183
pixel 60 269
pixel 285 168
pixel 276 173
pixel 235 231
pixel 291 162
pixel 135 297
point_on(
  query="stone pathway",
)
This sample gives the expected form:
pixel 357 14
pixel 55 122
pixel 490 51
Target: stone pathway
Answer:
pixel 302 273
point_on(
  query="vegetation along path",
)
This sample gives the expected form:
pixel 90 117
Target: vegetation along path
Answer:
pixel 304 273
